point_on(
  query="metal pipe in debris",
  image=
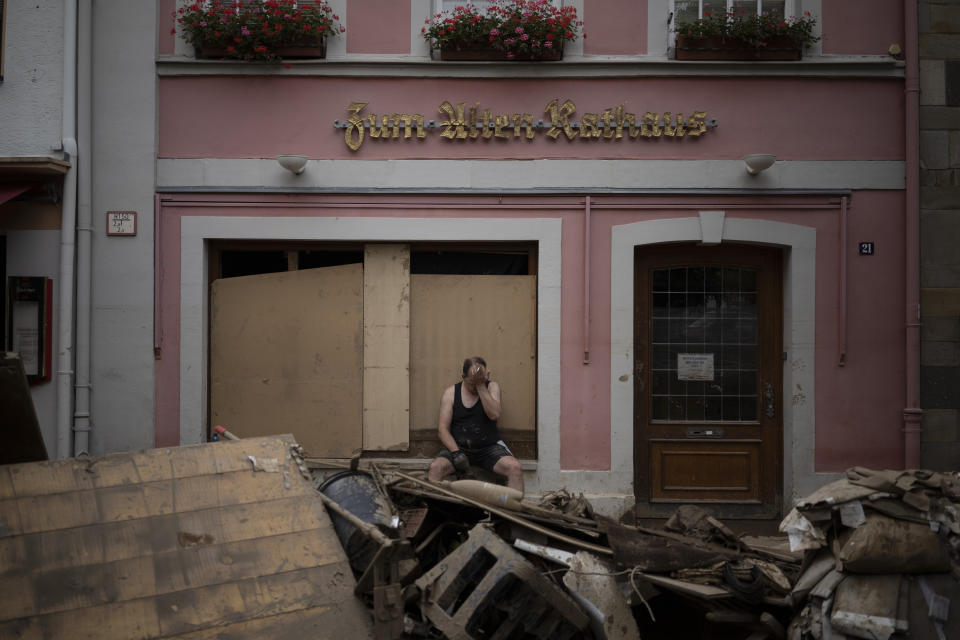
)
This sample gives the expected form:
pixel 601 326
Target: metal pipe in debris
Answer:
pixel 368 529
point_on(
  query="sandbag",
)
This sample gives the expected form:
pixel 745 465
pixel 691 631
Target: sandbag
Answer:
pixel 886 545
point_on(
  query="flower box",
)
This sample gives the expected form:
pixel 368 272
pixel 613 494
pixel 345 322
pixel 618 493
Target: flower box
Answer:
pixel 306 50
pixel 257 30
pixel 530 30
pixel 720 48
pixel 489 54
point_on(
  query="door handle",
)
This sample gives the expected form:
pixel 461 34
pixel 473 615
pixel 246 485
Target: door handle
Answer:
pixel 769 401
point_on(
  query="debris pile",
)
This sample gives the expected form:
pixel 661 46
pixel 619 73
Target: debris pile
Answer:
pixel 471 559
pixel 875 555
pixel 883 556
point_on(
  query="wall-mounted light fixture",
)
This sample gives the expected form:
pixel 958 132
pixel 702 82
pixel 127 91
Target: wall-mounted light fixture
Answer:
pixel 293 163
pixel 757 162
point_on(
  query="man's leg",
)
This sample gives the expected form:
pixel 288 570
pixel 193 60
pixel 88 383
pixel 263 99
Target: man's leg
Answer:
pixel 440 468
pixel 510 467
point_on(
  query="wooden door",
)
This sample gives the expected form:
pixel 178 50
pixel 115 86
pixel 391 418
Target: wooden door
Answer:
pixel 707 419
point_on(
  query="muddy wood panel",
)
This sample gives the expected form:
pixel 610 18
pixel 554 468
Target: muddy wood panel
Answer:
pixel 171 615
pixel 318 623
pixel 198 564
pixel 246 553
pixel 456 316
pixel 287 357
pixel 386 347
pixel 129 502
pixel 139 467
pixel 114 541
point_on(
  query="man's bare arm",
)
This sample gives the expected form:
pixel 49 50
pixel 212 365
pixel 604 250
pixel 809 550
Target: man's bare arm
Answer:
pixel 489 393
pixel 443 423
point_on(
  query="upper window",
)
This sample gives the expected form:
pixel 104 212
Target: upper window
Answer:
pixel 481 5
pixel 448 5
pixel 691 10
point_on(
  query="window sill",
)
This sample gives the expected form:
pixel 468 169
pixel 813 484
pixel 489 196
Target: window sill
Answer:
pixel 569 67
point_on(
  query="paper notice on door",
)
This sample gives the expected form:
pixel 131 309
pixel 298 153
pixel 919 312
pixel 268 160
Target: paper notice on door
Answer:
pixel 695 366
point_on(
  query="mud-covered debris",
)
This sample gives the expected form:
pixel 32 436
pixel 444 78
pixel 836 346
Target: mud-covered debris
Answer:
pixel 697 522
pixel 592 579
pixel 872 539
pixel 486 589
pixel 565 502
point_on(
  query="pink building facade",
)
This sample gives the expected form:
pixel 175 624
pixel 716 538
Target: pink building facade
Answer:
pixel 651 386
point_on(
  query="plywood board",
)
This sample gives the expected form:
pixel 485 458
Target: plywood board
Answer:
pixel 453 317
pixel 286 356
pixel 23 441
pixel 195 555
pixel 386 347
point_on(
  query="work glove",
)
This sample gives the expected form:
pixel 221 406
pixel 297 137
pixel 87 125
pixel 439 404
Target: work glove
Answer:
pixel 460 462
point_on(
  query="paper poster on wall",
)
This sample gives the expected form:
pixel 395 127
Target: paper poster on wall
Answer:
pixel 695 366
pixel 26 336
pixel 29 324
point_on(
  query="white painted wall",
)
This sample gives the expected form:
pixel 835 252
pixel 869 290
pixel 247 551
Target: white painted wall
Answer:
pixel 30 107
pixel 36 253
pixel 124 150
pixel 30 94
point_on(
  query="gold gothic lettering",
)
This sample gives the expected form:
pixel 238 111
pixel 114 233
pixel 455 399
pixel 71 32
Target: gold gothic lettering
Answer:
pixel 475 122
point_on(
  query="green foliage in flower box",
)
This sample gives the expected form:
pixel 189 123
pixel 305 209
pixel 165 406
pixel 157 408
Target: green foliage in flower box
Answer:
pixel 510 29
pixel 259 30
pixel 752 30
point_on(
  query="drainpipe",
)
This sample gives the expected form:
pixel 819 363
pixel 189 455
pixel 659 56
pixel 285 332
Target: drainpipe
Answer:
pixel 64 446
pixel 81 413
pixel 912 413
pixel 586 280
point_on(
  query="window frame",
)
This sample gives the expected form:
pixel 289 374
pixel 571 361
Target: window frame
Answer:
pixel 789 9
pixel 439 8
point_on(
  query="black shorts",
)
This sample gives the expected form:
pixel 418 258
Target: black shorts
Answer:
pixel 484 457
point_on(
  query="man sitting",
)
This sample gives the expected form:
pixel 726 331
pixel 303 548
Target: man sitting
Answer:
pixel 467 426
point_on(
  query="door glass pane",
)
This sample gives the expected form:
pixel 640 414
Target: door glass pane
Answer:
pixel 703 344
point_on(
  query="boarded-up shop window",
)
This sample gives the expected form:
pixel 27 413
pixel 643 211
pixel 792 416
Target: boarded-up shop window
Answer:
pixel 473 300
pixel 351 346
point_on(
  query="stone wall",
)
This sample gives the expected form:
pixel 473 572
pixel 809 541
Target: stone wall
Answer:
pixel 939 23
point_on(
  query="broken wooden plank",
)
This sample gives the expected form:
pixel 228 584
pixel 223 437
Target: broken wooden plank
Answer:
pixel 113 541
pixel 655 553
pixel 700 591
pixel 167 556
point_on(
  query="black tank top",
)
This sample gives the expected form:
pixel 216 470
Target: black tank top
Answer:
pixel 471 428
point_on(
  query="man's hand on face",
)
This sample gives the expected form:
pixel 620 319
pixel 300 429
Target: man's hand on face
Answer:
pixel 478 375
